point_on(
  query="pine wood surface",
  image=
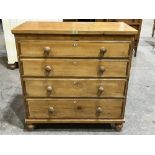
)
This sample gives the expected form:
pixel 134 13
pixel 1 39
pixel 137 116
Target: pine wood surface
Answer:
pixel 74 67
pixel 74 28
pixel 35 48
pixel 67 78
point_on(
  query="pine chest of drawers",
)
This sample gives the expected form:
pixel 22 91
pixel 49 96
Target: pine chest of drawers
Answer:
pixel 74 72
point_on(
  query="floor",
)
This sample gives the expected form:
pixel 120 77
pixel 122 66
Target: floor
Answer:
pixel 140 108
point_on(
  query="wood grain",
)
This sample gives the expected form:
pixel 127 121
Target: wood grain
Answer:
pixel 135 23
pixel 73 120
pixel 74 92
pixel 74 87
pixel 68 49
pixel 77 108
pixel 74 67
pixel 74 28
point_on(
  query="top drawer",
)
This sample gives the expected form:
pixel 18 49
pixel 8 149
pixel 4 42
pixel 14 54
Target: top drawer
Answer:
pixel 98 49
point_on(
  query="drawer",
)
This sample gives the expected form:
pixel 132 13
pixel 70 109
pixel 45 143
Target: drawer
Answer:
pixel 75 108
pixel 74 87
pixel 74 67
pixel 74 49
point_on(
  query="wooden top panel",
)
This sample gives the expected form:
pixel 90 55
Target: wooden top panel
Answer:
pixel 74 28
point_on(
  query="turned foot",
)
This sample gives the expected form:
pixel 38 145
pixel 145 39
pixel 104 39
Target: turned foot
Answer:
pixel 30 127
pixel 118 126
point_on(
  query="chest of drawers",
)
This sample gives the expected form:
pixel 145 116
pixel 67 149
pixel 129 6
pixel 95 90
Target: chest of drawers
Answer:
pixel 74 72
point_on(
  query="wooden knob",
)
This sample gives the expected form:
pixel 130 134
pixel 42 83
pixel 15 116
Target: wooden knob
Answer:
pixel 103 51
pixel 48 68
pixel 99 110
pixel 79 107
pixel 51 110
pixel 101 89
pixel 47 50
pixel 101 69
pixel 49 88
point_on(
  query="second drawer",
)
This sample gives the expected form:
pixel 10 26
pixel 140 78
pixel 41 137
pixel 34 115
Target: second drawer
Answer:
pixel 74 67
pixel 74 87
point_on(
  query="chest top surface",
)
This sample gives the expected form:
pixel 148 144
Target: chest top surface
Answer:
pixel 119 28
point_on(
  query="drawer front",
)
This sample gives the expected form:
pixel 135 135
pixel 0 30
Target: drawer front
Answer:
pixel 74 87
pixel 74 67
pixel 74 49
pixel 78 108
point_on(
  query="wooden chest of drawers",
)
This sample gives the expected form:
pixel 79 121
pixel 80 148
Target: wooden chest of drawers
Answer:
pixel 74 72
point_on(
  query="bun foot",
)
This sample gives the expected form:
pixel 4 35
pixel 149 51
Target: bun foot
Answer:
pixel 30 127
pixel 118 127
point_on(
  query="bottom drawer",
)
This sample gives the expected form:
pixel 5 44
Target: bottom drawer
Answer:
pixel 75 108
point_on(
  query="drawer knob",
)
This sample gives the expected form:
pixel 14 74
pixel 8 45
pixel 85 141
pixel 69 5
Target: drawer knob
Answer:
pixel 100 89
pixel 49 88
pixel 99 110
pixel 48 68
pixel 79 108
pixel 103 51
pixel 102 69
pixel 47 50
pixel 51 110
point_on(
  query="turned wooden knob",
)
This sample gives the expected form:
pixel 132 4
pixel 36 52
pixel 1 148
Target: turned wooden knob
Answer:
pixel 103 51
pixel 48 68
pixel 79 107
pixel 51 110
pixel 101 89
pixel 49 88
pixel 30 127
pixel 99 110
pixel 47 50
pixel 101 69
